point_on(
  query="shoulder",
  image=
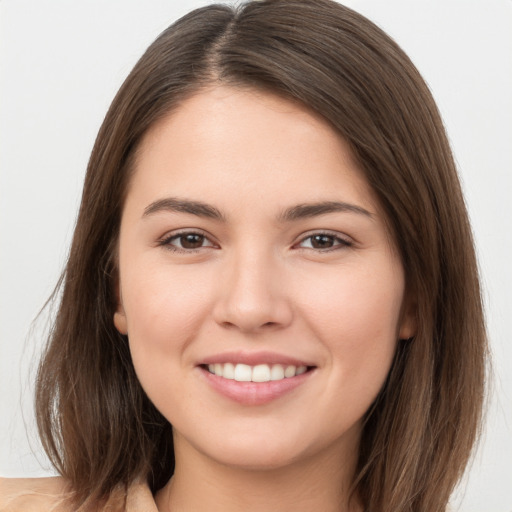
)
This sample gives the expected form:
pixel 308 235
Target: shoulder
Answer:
pixel 34 495
pixel 53 495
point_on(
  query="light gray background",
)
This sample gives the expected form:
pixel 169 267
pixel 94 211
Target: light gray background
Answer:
pixel 61 64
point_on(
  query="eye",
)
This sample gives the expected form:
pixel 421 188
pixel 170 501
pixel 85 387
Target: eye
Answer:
pixel 186 241
pixel 324 242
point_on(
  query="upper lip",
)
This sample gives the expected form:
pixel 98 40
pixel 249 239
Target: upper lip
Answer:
pixel 254 358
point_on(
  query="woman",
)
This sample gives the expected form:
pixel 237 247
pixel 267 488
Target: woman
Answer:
pixel 272 255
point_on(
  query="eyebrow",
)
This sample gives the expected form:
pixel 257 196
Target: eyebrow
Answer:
pixel 175 204
pixel 297 212
pixel 309 210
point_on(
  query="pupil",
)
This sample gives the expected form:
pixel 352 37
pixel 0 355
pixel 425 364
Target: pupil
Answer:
pixel 322 241
pixel 192 241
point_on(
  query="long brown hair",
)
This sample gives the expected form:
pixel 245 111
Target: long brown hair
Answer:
pixel 97 425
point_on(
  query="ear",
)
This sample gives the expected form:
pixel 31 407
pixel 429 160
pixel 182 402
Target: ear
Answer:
pixel 120 320
pixel 408 320
pixel 120 315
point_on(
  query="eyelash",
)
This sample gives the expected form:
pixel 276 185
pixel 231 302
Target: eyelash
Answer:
pixel 167 241
pixel 339 242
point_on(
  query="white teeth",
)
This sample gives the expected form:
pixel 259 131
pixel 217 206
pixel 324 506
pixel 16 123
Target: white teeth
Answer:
pixel 261 373
pixel 228 371
pixel 218 369
pixel 243 373
pixel 277 372
pixel 301 370
pixel 289 371
pixel 258 373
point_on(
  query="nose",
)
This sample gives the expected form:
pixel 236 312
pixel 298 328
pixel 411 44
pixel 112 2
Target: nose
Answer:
pixel 253 295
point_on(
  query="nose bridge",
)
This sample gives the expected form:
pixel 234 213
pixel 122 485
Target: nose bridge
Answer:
pixel 253 293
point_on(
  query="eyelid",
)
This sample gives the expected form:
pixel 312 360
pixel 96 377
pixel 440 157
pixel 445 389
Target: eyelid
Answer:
pixel 165 240
pixel 344 240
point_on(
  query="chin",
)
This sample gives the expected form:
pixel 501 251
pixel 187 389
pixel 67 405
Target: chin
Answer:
pixel 257 458
pixel 272 450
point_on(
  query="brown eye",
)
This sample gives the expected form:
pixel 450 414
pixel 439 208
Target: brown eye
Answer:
pixel 322 241
pixel 191 240
pixel 325 242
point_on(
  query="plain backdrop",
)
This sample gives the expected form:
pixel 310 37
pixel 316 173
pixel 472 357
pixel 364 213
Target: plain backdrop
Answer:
pixel 61 63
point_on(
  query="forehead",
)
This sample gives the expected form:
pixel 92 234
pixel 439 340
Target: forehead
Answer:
pixel 256 143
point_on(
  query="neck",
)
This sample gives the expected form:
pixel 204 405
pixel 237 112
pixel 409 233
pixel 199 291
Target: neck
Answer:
pixel 200 483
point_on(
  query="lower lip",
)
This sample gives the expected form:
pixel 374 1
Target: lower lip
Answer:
pixel 254 393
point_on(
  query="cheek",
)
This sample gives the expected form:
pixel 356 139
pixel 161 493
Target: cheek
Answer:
pixel 356 314
pixel 164 312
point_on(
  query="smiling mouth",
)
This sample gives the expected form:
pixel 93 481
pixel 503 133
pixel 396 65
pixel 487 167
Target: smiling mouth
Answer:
pixel 258 373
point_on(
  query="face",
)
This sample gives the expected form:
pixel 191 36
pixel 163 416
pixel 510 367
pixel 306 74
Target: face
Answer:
pixel 259 289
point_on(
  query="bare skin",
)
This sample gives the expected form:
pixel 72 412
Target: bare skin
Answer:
pixel 302 487
pixel 249 237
